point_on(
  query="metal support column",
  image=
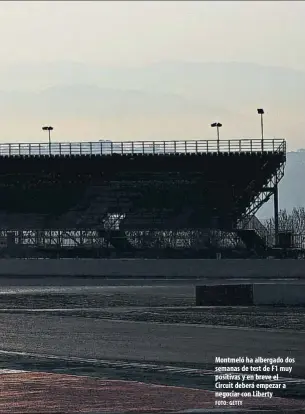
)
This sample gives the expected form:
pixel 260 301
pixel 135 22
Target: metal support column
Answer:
pixel 276 213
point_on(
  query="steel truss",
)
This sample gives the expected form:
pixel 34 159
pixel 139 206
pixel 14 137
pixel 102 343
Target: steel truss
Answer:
pixel 266 192
pixel 248 220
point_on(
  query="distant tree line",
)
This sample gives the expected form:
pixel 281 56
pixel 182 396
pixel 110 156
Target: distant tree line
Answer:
pixel 291 222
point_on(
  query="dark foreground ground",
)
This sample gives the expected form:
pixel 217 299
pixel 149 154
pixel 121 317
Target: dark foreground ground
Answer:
pixel 151 333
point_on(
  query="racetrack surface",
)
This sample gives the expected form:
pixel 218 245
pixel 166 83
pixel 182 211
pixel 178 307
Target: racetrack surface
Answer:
pixel 150 334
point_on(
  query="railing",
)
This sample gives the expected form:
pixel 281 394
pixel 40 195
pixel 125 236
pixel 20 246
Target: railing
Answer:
pixel 297 239
pixel 142 147
pixel 254 224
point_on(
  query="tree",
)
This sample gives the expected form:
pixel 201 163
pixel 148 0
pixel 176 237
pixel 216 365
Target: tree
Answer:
pixel 291 222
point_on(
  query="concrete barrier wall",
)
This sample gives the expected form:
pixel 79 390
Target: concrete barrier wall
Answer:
pixel 171 268
pixel 278 294
pixel 283 294
pixel 224 295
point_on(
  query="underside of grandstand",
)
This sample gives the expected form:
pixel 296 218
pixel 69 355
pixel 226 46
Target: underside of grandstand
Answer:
pixel 138 199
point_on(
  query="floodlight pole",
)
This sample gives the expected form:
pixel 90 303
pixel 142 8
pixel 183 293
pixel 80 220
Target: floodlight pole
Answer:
pixel 49 129
pixel 276 214
pixel 261 112
pixel 217 128
pixel 217 125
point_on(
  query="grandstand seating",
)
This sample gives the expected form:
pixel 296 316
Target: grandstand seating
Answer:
pixel 164 187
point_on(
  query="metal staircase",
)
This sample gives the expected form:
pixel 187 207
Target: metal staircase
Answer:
pixel 254 234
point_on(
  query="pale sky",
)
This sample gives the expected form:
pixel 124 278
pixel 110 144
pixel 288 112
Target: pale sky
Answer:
pixel 141 32
pixel 130 34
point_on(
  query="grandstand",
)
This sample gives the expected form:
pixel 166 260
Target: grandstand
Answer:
pixel 137 199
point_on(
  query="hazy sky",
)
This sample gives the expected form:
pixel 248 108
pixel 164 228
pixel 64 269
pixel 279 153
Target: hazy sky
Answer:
pixel 139 33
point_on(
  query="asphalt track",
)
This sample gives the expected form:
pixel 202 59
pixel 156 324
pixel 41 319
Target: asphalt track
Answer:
pixel 144 341
pixel 146 333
